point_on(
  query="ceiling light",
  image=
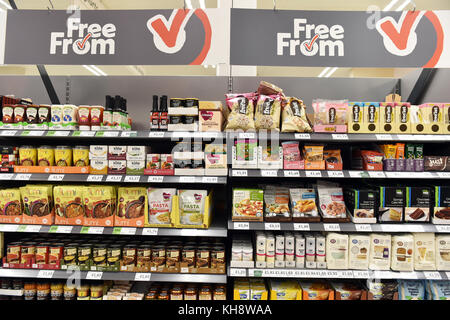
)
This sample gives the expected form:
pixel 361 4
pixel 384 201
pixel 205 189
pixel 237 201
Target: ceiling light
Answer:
pixel 323 72
pixel 92 70
pixel 98 70
pixel 331 72
pixel 390 5
pixel 5 4
pixel 403 5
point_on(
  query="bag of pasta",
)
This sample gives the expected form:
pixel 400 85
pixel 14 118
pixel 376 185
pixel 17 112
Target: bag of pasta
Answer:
pixel 293 118
pixel 267 114
pixel 241 107
pixel 192 206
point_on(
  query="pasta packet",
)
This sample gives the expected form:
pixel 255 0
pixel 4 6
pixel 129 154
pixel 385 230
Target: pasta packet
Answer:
pixel 192 206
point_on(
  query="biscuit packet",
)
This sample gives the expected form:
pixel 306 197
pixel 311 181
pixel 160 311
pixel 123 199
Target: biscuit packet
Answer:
pixel 241 107
pixel 293 116
pixel 192 206
pixel 267 113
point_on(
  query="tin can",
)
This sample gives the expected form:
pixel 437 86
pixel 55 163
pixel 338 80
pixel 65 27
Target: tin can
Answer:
pixel 188 256
pixel 42 251
pixel 203 257
pixel 159 256
pixel 172 256
pixel 13 251
pixel 70 254
pixel 144 255
pixel 55 253
pixel 129 255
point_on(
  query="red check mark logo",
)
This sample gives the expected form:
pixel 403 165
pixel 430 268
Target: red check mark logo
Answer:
pixel 311 43
pixel 169 34
pixel 400 38
pixel 81 43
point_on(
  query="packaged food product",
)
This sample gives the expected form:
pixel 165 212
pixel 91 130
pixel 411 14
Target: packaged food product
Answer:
pixel 277 204
pixel 100 205
pixel 285 290
pixel 38 204
pixel 371 116
pixel 117 152
pixel 313 153
pixel 192 206
pixel 337 251
pixel 98 152
pixel 392 202
pixel 131 207
pixel 331 202
pixel 402 253
pixel 241 112
pixel 153 161
pixel 442 252
pixel 362 203
pixel 45 156
pixel 411 290
pixel 10 206
pixel 317 291
pixel 160 205
pixel 268 88
pixel 424 251
pixel 359 246
pixel 135 167
pixel 81 156
pixel 329 115
pixel 69 206
pixel 438 290
pixel 248 204
pixel 69 116
pixel 333 159
pixel 418 203
pixel 215 156
pixel 347 290
pixel 27 156
pixel 441 214
pixel 117 166
pixel 303 203
pixel 269 154
pixel 63 156
pixel 166 161
pixel 84 118
pixel 380 251
pixel 293 117
pixel 210 116
pixel 267 113
pixel 98 166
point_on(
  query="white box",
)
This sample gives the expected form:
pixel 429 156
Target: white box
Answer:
pixel 137 152
pixel 443 252
pixel 98 152
pixel 320 249
pixel 310 248
pixel 279 248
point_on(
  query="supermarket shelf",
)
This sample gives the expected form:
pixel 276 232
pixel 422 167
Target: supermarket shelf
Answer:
pixel 214 231
pixel 66 134
pixel 336 274
pixel 111 178
pixel 126 276
pixel 11 292
pixel 356 174
pixel 345 227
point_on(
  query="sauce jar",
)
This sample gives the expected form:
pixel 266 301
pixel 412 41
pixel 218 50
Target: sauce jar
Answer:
pixel 172 256
pixel 220 293
pixel 144 255
pixel 44 114
pixel 205 293
pixel 45 156
pixel 218 257
pixel 19 113
pixel 56 291
pixel 96 292
pixel 129 255
pixel 203 257
pixel 176 293
pixel 83 292
pixel 84 254
pixel 29 292
pixel 96 113
pixel 84 119
pixel 63 156
pixel 8 114
pixel 31 114
pixel 70 292
pixel 70 254
pixel 81 156
pixel 99 254
pixel 163 295
pixel 188 256
pixel 27 156
pixel 159 256
pixel 114 254
pixel 43 291
pixel 190 293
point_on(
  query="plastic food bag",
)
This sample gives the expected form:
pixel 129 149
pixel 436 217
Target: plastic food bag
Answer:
pixel 267 114
pixel 328 112
pixel 293 118
pixel 241 111
pixel 192 206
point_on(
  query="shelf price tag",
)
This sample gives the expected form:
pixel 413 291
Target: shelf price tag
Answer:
pixel 361 274
pixel 355 174
pixel 187 179
pixel 150 231
pixel 155 179
pixel 247 135
pixel 432 275
pixel 416 228
pixel 241 226
pixel 94 275
pixel 209 180
pixel 33 133
pixel 390 227
pixel 6 176
pixel 58 133
pixel 240 173
pixel 83 133
pixel 140 276
pixel 238 272
pixel 272 226
pixel 444 175
pixel 47 274
pixel 313 174
pixel 302 136
pixel 339 136
pixel 384 137
pixel 94 178
pixel 132 179
pixel 92 230
pixel 9 227
pixel 55 177
pixel 376 174
pixel 113 178
pixel 156 134
pixel 331 227
pixel 443 229
pixel 129 134
pixel 363 227
pixel 301 227
pixel 292 173
pixel 335 174
pixel 31 228
pixel 128 231
pixel 8 133
pixel 23 176
pixel 63 229
pixel 269 173
pixel 107 134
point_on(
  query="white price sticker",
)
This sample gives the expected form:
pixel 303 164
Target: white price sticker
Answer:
pixel 384 137
pixel 128 133
pixel 96 230
pixel 269 173
pixel 113 178
pixel 23 176
pixel 140 276
pixel 132 179
pixel 94 275
pixel 128 231
pixel 36 133
pixel 240 173
pixel 9 227
pixel 363 227
pixel 87 133
pixel 301 227
pixel 313 174
pixel 187 179
pixel 6 176
pixel 184 270
pixel 94 178
pixel 416 228
pixel 212 135
pixel 48 274
pixel 238 272
pixel 332 274
pixel 339 136
pixel 390 227
pixel 64 229
pixel 150 231
pixel 360 274
pixel 407 275
pixel 272 226
pixel 376 174
pixel 209 180
pixel 110 133
pixel 291 173
pixel 335 174
pixel 445 175
pixel 302 136
pixel 180 134
pixel 33 228
pixel 443 229
pixel 432 275
pixel 155 179
pixel 61 133
pixel 8 133
pixel 156 134
pixel 355 174
pixel 425 175
pixel 406 137
pixel 241 226
pixel 247 135
pixel 331 227
pixel 55 177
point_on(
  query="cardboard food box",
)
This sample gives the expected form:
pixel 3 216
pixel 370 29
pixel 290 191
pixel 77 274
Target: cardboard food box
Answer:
pixel 136 153
pixel 427 118
pixel 98 166
pixel 38 204
pixel 418 204
pixel 117 152
pixel 98 152
pixel 355 117
pixel 349 290
pixel 441 212
pixel 210 116
pixel 117 166
pixel 362 204
pixel 402 118
pixel 132 207
pixel 135 167
pixel 100 205
pixel 317 290
pixel 285 290
pixel 392 203
pixel 387 117
pixel 69 205
pixel 248 204
pixel 11 207
pixel 371 122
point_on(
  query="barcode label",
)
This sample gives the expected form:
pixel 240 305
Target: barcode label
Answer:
pixel 331 227
pixel 239 173
pixel 291 173
pixel 113 178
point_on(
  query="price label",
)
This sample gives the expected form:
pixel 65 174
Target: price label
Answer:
pixel 360 274
pixel 92 230
pixel 301 227
pixel 424 175
pixel 241 226
pixel 132 179
pixel 247 135
pixel 31 228
pixel 363 227
pixel 209 179
pixel 156 134
pixel 64 229
pixel 269 173
pixel 443 229
pixel 432 275
pixel 55 177
pixel 313 174
pixel 94 275
pixel 407 275
pixel 240 173
pixel 86 133
pixel 339 136
pixel 187 179
pixel 6 176
pixel 94 178
pixel 113 178
pixel 406 137
pixel 128 231
pixel 272 226
pixel 335 174
pixel 416 228
pixel 140 276
pixel 291 173
pixel 47 274
pixel 155 179
pixel 302 136
pixel 8 133
pixel 180 134
pixel 184 270
pixel 9 227
pixel 390 227
pixel 59 133
pixel 331 227
pixel 129 134
pixel 23 176
pixel 332 274
pixel 210 135
pixel 376 174
pixel 34 133
pixel 425 137
pixel 150 231
pixel 444 175
pixel 107 134
pixel 238 272
pixel 384 137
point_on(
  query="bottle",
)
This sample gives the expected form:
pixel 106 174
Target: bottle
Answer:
pixel 124 115
pixel 154 118
pixel 163 119
pixel 108 113
pixel 117 113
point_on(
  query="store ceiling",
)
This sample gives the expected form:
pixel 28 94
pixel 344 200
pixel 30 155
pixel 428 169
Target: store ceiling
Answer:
pixel 209 71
